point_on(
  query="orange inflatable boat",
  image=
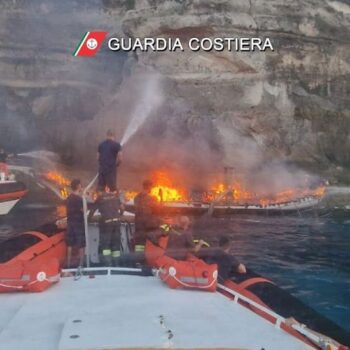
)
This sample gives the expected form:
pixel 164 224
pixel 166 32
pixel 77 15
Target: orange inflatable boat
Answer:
pixel 31 261
pixel 189 273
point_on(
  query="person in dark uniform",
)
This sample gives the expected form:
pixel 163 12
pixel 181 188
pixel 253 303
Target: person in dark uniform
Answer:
pixel 109 158
pixel 180 242
pixel 75 236
pixel 110 208
pixel 146 218
pixel 227 263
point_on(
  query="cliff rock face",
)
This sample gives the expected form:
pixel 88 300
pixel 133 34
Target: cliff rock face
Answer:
pixel 235 108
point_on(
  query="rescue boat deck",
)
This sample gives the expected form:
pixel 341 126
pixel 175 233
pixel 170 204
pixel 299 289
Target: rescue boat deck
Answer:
pixel 130 311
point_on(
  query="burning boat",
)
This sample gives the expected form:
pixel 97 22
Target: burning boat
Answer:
pixel 56 182
pixel 228 198
pixel 221 197
pixel 11 191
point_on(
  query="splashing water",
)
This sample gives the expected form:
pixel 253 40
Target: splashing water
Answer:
pixel 50 158
pixel 150 100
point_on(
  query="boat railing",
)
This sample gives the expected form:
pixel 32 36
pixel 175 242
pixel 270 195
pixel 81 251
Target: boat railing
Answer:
pixel 86 225
pixel 278 318
pixel 92 272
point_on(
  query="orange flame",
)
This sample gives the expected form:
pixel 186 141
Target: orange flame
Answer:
pixel 164 188
pixel 129 195
pixel 57 178
pixel 239 195
pixel 62 182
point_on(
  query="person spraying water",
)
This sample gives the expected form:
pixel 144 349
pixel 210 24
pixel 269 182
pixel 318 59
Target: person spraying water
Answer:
pixel 109 158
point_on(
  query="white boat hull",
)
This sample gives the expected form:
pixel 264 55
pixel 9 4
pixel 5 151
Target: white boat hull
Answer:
pixel 7 206
pixel 121 312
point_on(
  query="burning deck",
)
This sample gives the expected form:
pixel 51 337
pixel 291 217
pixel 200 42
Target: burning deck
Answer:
pixel 220 197
pixel 228 198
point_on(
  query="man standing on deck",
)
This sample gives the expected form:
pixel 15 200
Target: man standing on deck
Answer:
pixel 146 207
pixel 75 236
pixel 109 158
pixel 110 208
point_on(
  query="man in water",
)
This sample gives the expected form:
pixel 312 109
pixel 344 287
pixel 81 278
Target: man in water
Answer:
pixel 75 236
pixel 146 207
pixel 109 158
pixel 110 208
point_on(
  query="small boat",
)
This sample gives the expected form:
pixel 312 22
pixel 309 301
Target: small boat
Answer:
pixel 11 191
pixel 31 261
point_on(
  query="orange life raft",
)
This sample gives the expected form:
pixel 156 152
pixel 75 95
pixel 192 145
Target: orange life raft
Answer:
pixel 189 273
pixel 31 261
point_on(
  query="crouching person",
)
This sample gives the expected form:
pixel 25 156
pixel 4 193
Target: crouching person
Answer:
pixel 75 236
pixel 110 208
pixel 222 256
pixel 180 239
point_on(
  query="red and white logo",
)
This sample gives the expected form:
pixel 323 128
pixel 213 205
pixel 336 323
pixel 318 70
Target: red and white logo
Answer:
pixel 90 44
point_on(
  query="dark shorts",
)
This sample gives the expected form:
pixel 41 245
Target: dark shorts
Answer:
pixel 110 236
pixel 75 236
pixel 107 177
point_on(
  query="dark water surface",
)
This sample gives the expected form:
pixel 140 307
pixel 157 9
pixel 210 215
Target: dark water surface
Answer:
pixel 309 257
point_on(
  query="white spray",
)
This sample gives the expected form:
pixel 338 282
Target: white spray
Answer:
pixel 47 157
pixel 150 100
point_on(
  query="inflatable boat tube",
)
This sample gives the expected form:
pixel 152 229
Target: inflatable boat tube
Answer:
pixel 190 273
pixel 31 261
pixel 268 294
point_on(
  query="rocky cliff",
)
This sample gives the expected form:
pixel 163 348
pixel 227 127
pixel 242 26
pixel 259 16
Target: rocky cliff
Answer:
pixel 228 108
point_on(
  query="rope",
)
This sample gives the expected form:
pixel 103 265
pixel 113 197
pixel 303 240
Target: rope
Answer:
pixel 79 273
